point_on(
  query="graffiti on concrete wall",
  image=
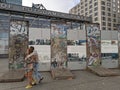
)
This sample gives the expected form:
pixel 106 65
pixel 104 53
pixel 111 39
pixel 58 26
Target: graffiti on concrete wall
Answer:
pixel 18 43
pixel 93 44
pixel 58 44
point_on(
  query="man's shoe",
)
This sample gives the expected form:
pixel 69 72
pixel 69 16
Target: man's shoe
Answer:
pixel 33 83
pixel 28 86
pixel 41 79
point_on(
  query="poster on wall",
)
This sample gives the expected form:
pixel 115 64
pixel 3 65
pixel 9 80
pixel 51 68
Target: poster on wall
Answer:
pixel 76 50
pixel 93 45
pixel 109 50
pixel 18 43
pixel 58 44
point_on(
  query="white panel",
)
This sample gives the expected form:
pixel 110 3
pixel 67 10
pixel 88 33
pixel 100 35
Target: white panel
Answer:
pixel 109 35
pixel 45 33
pixel 81 35
pixel 72 35
pixel 110 63
pixel 76 35
pixel 39 33
pixel 35 33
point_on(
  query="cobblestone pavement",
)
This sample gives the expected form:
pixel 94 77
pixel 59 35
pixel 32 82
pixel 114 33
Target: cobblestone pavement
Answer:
pixel 84 80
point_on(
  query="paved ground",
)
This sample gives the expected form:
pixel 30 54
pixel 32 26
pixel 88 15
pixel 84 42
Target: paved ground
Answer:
pixel 84 81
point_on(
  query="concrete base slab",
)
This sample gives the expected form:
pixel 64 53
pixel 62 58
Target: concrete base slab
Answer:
pixel 62 73
pixel 103 72
pixel 12 76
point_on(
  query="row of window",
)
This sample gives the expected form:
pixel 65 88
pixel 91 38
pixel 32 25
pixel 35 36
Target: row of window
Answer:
pixel 96 8
pixel 91 6
pixel 104 28
pixel 109 14
pixel 109 19
pixel 109 24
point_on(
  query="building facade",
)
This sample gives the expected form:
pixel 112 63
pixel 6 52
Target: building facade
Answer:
pixel 118 11
pixel 17 2
pixel 104 12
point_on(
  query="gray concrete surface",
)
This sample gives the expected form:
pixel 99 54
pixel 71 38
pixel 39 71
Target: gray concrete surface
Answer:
pixel 84 80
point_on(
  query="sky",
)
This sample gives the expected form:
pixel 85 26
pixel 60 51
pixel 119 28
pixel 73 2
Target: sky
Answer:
pixel 54 5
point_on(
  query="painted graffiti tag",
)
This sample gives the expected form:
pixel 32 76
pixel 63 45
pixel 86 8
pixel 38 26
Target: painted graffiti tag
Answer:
pixel 18 43
pixel 93 45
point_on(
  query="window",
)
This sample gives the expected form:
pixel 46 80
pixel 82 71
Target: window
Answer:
pixel 86 5
pixel 103 13
pixel 82 11
pixel 109 4
pixel 103 8
pixel 96 14
pixel 109 14
pixel 114 15
pixel 90 11
pixel 81 3
pixel 108 9
pixel 86 13
pixel 81 7
pixel 103 2
pixel 114 20
pixel 103 28
pixel 103 18
pixel 96 8
pixel 109 19
pixel 90 2
pixel 109 28
pixel 85 9
pixel 96 19
pixel 95 4
pixel 109 24
pixel 104 23
pixel 114 25
pixel 90 7
pixel 90 16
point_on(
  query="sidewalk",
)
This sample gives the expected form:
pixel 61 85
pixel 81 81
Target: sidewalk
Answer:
pixel 84 80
